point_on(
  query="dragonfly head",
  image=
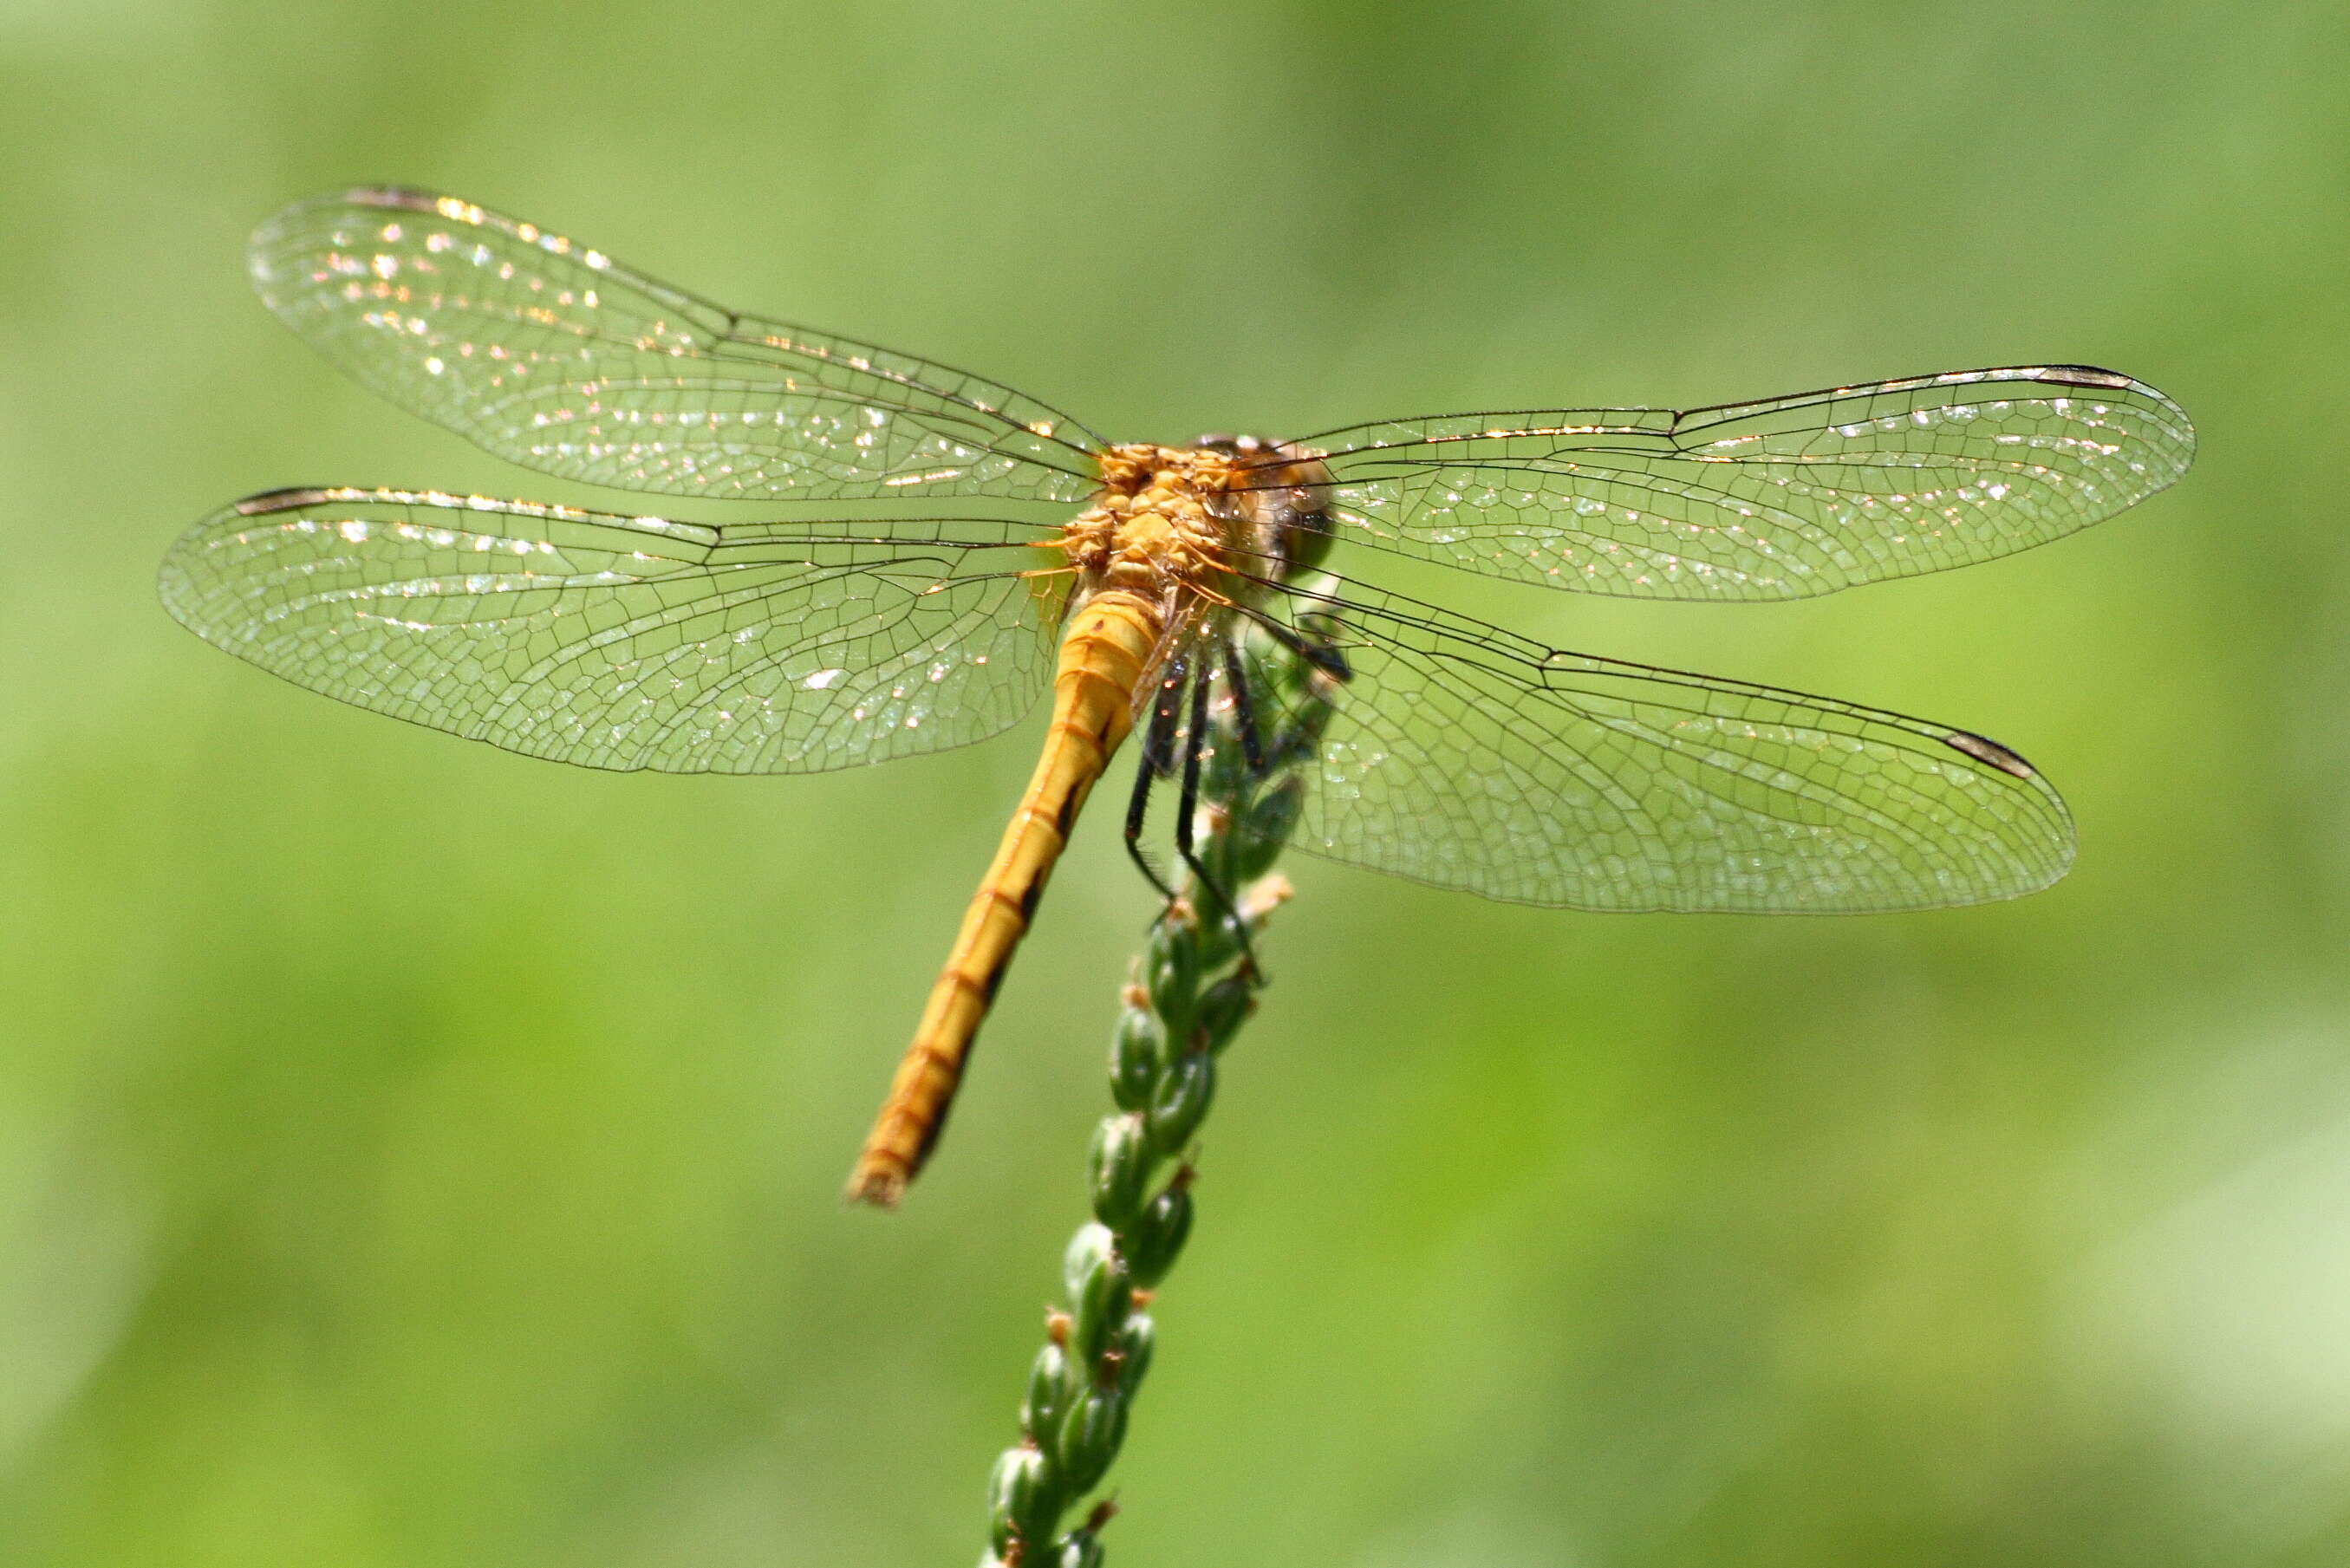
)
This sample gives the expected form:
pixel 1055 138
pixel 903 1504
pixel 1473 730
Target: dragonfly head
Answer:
pixel 1283 495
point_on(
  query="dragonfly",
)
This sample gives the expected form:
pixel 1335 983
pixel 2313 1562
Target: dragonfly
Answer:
pixel 979 549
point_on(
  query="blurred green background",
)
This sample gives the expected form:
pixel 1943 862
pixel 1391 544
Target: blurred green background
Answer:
pixel 414 1155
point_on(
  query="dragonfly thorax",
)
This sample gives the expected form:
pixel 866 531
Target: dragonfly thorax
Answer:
pixel 1208 517
pixel 1162 523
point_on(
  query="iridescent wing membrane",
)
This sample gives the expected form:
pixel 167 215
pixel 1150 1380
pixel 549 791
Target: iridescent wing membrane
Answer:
pixel 625 643
pixel 1460 754
pixel 555 357
pixel 1467 757
pixel 1773 499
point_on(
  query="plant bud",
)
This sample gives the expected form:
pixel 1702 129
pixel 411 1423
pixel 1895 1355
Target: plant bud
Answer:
pixel 1022 1498
pixel 1118 1169
pixel 1181 1100
pixel 1090 1437
pixel 1270 822
pixel 1100 1303
pixel 1135 1340
pixel 1158 1236
pixel 1222 1011
pixel 1170 970
pixel 1089 1247
pixel 1135 1053
pixel 1048 1393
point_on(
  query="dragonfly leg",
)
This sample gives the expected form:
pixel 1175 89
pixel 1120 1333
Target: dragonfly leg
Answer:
pixel 1158 761
pixel 1312 646
pixel 1244 711
pixel 1195 745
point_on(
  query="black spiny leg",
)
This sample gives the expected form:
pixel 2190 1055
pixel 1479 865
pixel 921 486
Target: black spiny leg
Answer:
pixel 1195 747
pixel 1244 710
pixel 1158 761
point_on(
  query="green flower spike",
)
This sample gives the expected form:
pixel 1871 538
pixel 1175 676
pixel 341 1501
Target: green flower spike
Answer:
pixel 1193 984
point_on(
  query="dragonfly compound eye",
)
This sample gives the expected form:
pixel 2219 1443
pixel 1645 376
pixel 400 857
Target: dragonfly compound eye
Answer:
pixel 1304 537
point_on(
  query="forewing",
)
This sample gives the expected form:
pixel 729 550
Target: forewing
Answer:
pixel 555 355
pixel 625 643
pixel 1773 499
pixel 1463 755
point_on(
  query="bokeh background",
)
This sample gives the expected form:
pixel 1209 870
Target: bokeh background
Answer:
pixel 414 1155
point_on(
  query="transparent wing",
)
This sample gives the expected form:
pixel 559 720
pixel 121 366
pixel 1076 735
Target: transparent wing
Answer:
pixel 1781 499
pixel 626 642
pixel 555 355
pixel 1463 755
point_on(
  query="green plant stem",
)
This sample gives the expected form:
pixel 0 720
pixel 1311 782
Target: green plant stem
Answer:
pixel 1191 987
